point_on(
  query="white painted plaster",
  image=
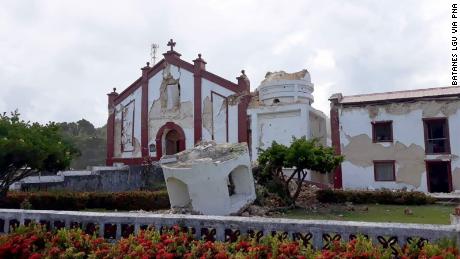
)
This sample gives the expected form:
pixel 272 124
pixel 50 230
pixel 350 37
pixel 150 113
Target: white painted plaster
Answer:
pixel 208 86
pixel 278 123
pixel 202 182
pixel 219 128
pixel 219 118
pixel 233 123
pixel 408 129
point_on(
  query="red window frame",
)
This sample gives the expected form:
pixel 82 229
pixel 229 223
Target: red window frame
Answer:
pixel 384 162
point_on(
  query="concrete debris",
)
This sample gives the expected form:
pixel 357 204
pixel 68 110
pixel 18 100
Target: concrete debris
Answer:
pixel 211 179
pixel 281 75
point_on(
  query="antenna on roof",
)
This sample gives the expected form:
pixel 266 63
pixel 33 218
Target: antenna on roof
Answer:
pixel 153 52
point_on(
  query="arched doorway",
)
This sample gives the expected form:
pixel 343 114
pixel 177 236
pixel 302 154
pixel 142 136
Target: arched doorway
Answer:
pixel 239 184
pixel 170 140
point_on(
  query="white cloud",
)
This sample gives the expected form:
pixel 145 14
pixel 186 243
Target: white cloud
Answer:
pixel 60 58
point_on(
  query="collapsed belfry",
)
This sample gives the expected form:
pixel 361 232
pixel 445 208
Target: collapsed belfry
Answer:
pixel 212 179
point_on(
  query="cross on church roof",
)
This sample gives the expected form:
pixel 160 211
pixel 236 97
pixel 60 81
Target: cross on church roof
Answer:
pixel 172 44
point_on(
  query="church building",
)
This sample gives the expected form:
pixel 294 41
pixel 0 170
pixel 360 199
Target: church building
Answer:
pixel 175 104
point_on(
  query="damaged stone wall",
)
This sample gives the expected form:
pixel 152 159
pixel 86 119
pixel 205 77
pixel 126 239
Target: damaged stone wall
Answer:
pixel 207 118
pixel 408 148
pixel 279 126
pixel 133 127
pixel 219 105
pixel 171 100
pixel 361 151
pixel 429 108
pixel 219 118
pixel 318 128
pixel 214 118
pixel 277 123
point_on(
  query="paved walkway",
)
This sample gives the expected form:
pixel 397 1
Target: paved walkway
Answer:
pixel 453 196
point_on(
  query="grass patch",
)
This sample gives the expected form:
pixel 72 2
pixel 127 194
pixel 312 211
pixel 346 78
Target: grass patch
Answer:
pixel 425 214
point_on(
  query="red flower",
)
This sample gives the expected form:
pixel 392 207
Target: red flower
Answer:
pixel 35 256
pixel 165 256
pixel 54 251
pixel 168 241
pixel 221 255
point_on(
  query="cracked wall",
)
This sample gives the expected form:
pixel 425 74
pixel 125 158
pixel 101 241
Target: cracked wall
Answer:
pixel 431 108
pixel 170 99
pixel 278 126
pixel 214 112
pixel 318 127
pixel 219 118
pixel 408 148
pixel 410 160
pixel 207 115
pixel 182 116
pixel 133 101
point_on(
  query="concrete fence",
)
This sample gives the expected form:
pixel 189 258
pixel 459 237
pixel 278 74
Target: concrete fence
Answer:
pixel 319 233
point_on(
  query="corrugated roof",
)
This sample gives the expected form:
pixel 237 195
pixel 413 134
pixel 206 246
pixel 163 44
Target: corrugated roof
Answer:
pixel 402 95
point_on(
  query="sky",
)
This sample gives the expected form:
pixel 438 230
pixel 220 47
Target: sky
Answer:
pixel 59 59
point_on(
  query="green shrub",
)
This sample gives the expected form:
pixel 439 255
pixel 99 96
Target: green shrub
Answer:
pixel 136 200
pixel 380 196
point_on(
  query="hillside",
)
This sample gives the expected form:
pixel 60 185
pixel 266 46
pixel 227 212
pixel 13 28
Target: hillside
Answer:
pixel 89 140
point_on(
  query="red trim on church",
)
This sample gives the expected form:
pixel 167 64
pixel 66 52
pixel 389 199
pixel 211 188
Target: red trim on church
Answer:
pixel 169 126
pixel 133 87
pixel 243 125
pixel 335 138
pixel 199 71
pixel 145 111
pixel 222 82
pixel 199 66
pixel 127 161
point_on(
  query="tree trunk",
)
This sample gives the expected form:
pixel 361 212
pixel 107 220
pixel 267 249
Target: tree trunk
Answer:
pixel 299 186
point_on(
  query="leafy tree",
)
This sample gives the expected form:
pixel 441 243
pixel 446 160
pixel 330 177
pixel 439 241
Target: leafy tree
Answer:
pixel 302 155
pixel 28 148
pixel 85 127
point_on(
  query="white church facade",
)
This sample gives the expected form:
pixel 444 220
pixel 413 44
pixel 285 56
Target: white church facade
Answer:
pixel 172 106
pixel 175 105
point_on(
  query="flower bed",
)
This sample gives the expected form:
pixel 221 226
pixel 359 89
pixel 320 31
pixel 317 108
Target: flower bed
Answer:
pixel 135 200
pixel 35 242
